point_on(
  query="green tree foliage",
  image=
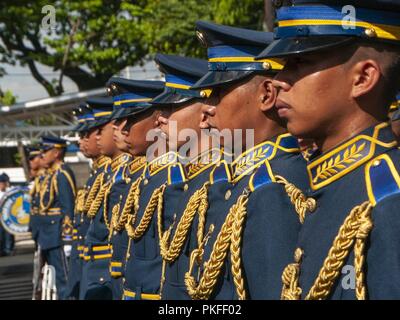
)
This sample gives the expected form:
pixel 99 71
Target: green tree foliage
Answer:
pixel 7 98
pixel 94 39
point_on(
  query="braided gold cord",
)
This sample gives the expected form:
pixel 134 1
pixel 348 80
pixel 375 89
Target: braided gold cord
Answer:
pixel 36 186
pixel 114 215
pixel 80 200
pixel 212 267
pixel 359 258
pixel 235 249
pixel 43 189
pixel 290 279
pixel 196 256
pixel 301 203
pixel 93 192
pixel 154 202
pixel 202 211
pixel 171 250
pixel 105 208
pixel 357 224
pixel 131 202
pixel 98 201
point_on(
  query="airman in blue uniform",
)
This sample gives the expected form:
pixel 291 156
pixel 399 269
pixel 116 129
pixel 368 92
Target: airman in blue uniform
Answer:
pixel 251 224
pixel 336 88
pixel 56 200
pixel 128 97
pixel 88 146
pixel 185 194
pixel 95 283
pixel 37 174
pixel 142 267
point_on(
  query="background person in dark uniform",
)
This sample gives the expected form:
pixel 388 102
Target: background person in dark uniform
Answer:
pixel 6 238
pixel 57 199
pixel 36 172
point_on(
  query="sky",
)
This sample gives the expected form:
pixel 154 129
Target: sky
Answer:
pixel 20 81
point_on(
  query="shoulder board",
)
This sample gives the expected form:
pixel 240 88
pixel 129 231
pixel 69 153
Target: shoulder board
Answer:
pixel 137 164
pixel 176 174
pixel 202 162
pixel 261 177
pixel 382 178
pixel 160 163
pixel 221 172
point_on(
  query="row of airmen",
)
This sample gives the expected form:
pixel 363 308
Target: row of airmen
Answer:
pixel 274 223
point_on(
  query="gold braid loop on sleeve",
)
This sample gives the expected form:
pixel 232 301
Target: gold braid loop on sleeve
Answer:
pixel 301 203
pixel 119 220
pixel 212 268
pixel 170 250
pixel 154 203
pixel 355 229
pixel 93 192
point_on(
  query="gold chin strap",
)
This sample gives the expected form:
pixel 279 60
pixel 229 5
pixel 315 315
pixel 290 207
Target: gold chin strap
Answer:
pixel 353 232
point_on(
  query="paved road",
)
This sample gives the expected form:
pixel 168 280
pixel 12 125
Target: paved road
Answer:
pixel 16 273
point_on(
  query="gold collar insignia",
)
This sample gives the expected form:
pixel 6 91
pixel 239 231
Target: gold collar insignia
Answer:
pixel 345 158
pixel 254 157
pixel 202 162
pixel 161 163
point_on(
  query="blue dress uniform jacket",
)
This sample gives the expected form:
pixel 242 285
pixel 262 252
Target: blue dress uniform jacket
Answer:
pixel 81 224
pixel 117 217
pixel 197 173
pixel 57 200
pixel 269 211
pixel 95 283
pixel 349 247
pixel 143 264
pixel 34 222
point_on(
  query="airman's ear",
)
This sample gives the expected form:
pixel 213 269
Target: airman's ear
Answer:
pixel 267 95
pixel 366 75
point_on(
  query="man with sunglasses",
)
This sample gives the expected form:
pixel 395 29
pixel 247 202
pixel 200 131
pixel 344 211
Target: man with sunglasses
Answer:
pixel 251 223
pixel 342 73
pixel 56 199
pixel 129 98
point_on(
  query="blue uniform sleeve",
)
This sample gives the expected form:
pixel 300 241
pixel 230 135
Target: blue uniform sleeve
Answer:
pixel 269 241
pixel 66 196
pixel 383 256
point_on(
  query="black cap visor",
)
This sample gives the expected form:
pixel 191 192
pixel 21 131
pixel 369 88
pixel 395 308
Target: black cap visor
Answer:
pixel 302 45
